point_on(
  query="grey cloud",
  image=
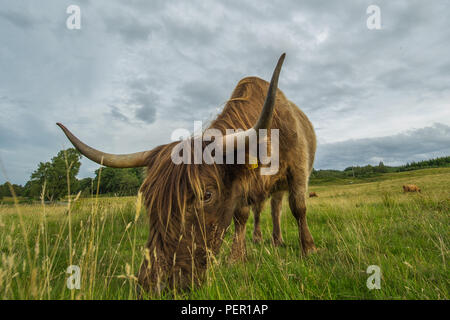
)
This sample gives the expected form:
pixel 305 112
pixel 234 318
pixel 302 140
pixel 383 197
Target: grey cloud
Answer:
pixel 117 114
pixel 18 19
pixel 129 28
pixel 146 113
pixel 152 66
pixel 413 145
pixel 146 102
pixel 199 99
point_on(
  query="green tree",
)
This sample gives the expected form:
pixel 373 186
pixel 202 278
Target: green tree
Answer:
pixel 86 186
pixel 118 181
pixel 3 190
pixel 52 176
pixel 381 168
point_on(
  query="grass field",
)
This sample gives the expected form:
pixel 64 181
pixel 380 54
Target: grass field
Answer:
pixel 354 226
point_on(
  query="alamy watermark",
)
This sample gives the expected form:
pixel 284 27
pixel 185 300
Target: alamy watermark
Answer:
pixel 373 21
pixel 235 147
pixel 74 280
pixel 73 21
pixel 374 280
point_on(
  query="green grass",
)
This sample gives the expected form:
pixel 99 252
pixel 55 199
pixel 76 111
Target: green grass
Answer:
pixel 354 226
pixel 332 180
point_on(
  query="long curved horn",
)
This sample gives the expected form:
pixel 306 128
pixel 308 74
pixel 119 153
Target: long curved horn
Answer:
pixel 265 118
pixel 131 160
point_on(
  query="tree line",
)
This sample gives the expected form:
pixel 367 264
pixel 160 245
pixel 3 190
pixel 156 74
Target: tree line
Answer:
pixel 55 179
pixel 371 171
pixel 50 179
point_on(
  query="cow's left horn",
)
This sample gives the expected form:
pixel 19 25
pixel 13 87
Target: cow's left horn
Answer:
pixel 131 160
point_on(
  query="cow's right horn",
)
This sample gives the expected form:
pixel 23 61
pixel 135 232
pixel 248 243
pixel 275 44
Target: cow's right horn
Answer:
pixel 265 118
pixel 130 160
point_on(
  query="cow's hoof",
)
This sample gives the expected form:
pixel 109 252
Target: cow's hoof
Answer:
pixel 310 250
pixel 257 237
pixel 278 242
pixel 237 257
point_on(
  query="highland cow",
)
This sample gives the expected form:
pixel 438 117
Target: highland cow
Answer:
pixel 191 206
pixel 313 194
pixel 411 188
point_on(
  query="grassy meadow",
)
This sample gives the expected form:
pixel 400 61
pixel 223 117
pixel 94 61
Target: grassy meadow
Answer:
pixel 354 225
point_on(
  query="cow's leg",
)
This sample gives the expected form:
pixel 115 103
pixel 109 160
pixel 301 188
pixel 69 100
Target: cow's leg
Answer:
pixel 275 203
pixel 257 235
pixel 297 202
pixel 240 217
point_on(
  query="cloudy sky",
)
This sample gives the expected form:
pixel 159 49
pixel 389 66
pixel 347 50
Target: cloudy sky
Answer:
pixel 137 70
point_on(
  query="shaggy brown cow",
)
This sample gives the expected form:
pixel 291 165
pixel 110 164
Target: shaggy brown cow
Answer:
pixel 191 206
pixel 313 194
pixel 411 188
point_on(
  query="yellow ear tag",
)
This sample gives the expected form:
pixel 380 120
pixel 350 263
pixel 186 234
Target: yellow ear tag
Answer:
pixel 252 165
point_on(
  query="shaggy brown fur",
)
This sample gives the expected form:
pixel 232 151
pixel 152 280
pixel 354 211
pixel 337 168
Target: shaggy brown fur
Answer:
pixel 313 194
pixel 185 230
pixel 411 188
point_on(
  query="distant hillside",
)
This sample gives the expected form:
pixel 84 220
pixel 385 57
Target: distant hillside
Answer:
pixel 358 174
pixel 124 182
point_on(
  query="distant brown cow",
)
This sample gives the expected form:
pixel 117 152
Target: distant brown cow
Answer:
pixel 313 194
pixel 411 188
